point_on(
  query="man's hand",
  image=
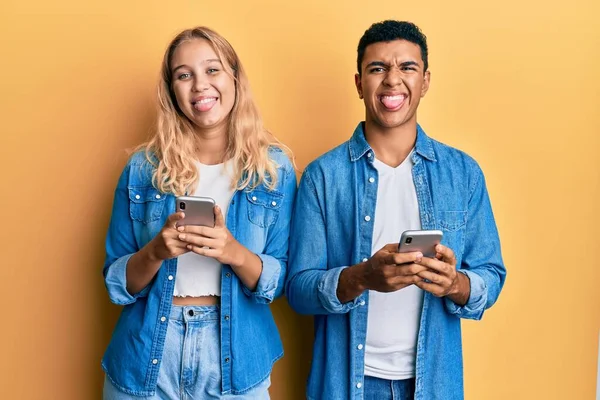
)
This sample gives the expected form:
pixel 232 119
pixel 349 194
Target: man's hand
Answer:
pixel 386 271
pixel 442 277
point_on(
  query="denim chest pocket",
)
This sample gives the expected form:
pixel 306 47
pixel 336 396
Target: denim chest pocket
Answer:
pixel 263 206
pixel 453 224
pixel 452 220
pixel 146 204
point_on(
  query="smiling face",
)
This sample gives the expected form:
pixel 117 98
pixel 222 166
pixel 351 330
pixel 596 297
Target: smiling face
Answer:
pixel 392 82
pixel 203 88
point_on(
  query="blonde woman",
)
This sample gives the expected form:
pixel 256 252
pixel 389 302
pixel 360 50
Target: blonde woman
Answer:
pixel 196 321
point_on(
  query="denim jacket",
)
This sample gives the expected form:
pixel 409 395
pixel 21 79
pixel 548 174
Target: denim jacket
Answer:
pixel 259 219
pixel 332 229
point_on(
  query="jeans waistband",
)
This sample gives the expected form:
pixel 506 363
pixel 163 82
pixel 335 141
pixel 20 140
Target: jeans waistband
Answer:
pixel 195 313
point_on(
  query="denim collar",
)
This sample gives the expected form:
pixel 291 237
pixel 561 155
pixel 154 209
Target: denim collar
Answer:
pixel 358 145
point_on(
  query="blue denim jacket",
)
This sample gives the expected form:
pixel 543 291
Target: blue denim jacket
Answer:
pixel 331 231
pixel 259 219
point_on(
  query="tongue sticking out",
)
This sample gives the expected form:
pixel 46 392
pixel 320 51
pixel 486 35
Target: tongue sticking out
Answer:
pixel 205 105
pixel 392 102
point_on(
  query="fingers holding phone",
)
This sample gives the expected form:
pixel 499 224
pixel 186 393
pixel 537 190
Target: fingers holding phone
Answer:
pixel 213 241
pixel 441 277
pixel 190 210
pixel 166 243
pixel 388 271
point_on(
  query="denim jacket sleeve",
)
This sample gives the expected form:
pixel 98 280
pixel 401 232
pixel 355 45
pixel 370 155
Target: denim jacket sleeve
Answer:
pixel 482 258
pixel 120 246
pixel 275 255
pixel 311 287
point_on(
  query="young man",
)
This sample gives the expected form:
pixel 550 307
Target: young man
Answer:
pixel 387 324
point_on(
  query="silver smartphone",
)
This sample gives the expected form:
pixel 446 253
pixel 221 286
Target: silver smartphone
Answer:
pixel 423 241
pixel 198 210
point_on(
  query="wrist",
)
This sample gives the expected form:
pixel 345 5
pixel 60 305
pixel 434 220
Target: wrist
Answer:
pixel 461 289
pixel 241 256
pixel 147 253
pixel 359 275
pixel 352 283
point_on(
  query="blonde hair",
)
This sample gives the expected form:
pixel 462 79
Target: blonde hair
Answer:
pixel 171 150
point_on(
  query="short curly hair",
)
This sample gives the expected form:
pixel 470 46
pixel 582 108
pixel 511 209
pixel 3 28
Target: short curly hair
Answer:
pixel 386 31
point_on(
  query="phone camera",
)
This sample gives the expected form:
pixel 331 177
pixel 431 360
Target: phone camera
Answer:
pixel 408 240
pixel 181 205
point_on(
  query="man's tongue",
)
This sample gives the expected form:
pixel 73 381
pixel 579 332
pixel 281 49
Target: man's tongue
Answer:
pixel 392 102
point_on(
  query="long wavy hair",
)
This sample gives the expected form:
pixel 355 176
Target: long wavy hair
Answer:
pixel 172 148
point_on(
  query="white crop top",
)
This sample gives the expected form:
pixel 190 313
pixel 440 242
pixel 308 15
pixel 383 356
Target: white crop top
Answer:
pixel 198 275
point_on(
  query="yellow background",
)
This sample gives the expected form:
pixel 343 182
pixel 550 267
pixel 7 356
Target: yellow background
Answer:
pixel 515 84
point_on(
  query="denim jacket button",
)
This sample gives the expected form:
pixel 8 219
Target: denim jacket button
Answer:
pixel 367 218
pixel 137 196
pixel 365 259
pixel 360 347
pixel 170 277
pixel 155 361
pixel 163 319
pixel 228 275
pixel 371 179
pixel 359 385
pixel 362 303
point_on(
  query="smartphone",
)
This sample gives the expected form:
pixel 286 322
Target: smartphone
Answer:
pixel 198 210
pixel 423 241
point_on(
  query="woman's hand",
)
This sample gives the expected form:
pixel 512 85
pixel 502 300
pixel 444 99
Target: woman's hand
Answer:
pixel 217 242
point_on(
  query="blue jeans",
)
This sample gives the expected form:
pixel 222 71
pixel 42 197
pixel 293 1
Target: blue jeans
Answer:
pixel 382 389
pixel 191 366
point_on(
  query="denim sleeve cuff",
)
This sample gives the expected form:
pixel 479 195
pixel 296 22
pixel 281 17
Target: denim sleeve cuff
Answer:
pixel 477 298
pixel 327 292
pixel 116 283
pixel 267 282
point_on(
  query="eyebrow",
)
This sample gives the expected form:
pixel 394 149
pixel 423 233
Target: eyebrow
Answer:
pixel 382 64
pixel 205 61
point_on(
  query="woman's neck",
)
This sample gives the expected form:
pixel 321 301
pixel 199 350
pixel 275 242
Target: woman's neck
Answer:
pixel 211 146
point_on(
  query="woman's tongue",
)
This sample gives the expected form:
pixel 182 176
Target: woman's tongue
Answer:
pixel 392 102
pixel 205 105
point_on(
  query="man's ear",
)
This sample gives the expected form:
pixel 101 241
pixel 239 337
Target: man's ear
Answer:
pixel 358 84
pixel 426 80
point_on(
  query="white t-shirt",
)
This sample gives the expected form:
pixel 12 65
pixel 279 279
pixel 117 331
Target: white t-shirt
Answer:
pixel 198 275
pixel 393 321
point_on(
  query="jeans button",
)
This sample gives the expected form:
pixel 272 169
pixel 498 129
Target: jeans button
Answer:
pixel 191 313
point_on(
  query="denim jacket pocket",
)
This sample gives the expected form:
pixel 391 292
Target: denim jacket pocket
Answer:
pixel 453 225
pixel 451 221
pixel 146 204
pixel 263 206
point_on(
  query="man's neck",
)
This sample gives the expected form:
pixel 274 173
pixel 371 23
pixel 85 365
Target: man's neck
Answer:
pixel 391 145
